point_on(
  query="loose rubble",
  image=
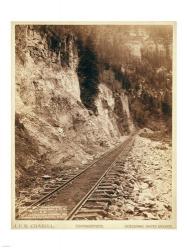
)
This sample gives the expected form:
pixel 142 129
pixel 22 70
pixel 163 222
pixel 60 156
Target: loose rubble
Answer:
pixel 145 183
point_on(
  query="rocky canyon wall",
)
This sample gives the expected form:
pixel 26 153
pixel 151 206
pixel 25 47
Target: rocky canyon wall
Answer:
pixel 53 128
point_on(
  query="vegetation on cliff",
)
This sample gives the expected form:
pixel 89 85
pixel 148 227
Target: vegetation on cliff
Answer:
pixel 140 57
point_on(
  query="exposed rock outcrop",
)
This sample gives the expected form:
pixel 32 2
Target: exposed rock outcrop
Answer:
pixel 53 127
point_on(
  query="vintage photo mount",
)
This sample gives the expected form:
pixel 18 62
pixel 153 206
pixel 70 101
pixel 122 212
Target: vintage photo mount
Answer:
pixel 96 224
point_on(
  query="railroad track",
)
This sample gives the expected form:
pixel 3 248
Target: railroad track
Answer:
pixel 95 203
pixel 86 194
pixel 58 183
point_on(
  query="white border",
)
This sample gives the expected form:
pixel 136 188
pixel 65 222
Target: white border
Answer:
pixel 91 10
pixel 112 224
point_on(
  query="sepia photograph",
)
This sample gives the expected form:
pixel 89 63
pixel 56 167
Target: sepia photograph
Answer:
pixel 93 125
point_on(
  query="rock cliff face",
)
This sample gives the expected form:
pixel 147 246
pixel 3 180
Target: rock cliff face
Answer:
pixel 52 126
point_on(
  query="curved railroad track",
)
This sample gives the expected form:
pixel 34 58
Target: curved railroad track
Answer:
pixel 84 195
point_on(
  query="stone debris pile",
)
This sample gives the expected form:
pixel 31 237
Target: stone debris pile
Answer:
pixel 144 189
